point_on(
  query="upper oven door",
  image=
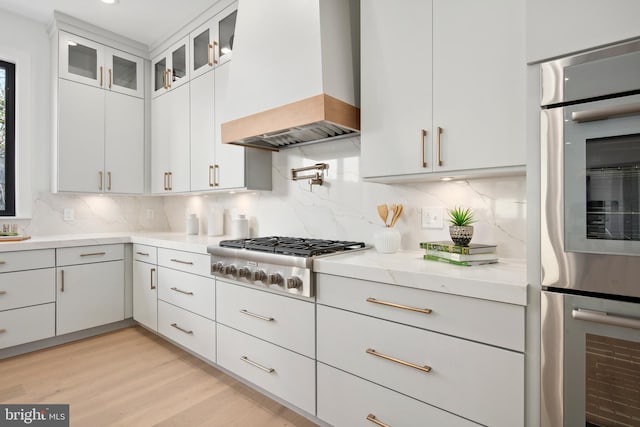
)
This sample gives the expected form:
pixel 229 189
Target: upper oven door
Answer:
pixel 602 176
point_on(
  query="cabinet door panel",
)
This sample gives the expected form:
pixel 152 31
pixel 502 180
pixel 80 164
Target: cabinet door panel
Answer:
pixel 479 83
pixel 81 60
pixel 125 73
pixel 203 138
pixel 92 295
pixel 145 288
pixel 124 144
pixel 160 143
pixel 396 87
pixel 178 132
pixel 80 148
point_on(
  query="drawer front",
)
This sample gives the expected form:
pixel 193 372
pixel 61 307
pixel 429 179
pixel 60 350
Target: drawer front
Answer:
pixel 281 372
pixel 188 329
pixel 27 324
pixel 346 400
pixel 145 253
pixel 185 261
pixel 285 321
pixel 27 260
pixel 89 254
pixel 486 321
pixel 466 378
pixel 24 288
pixel 188 291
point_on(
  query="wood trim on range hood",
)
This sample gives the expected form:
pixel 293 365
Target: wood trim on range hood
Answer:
pixel 313 119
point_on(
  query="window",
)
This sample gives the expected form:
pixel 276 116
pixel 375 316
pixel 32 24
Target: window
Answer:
pixel 7 138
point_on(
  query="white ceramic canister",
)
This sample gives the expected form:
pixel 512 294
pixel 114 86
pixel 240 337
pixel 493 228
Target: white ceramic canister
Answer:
pixel 193 225
pixel 387 240
pixel 240 227
pixel 215 222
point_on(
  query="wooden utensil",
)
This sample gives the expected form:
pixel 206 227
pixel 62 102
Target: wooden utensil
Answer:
pixel 396 214
pixel 383 211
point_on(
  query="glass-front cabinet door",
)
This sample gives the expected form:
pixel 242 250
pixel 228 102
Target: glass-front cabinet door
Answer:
pixel 81 60
pixel 124 73
pixel 212 43
pixel 171 68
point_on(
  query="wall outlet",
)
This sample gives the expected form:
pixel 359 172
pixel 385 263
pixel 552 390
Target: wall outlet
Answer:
pixel 432 218
pixel 68 214
pixel 150 214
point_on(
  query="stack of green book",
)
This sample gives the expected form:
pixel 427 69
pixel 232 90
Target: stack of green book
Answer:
pixel 474 254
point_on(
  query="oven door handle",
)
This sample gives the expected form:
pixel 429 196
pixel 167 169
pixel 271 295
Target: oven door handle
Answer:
pixel 606 113
pixel 605 318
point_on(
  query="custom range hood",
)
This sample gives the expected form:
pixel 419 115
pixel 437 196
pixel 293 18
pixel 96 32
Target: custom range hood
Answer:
pixel 294 76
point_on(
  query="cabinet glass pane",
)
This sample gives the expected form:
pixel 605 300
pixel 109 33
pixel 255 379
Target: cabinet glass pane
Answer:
pixel 179 60
pixel 125 73
pixel 158 71
pixel 201 50
pixel 227 29
pixel 83 60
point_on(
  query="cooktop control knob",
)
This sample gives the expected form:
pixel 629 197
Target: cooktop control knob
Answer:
pixel 216 267
pixel 229 269
pixel 294 282
pixel 257 276
pixel 274 279
pixel 244 272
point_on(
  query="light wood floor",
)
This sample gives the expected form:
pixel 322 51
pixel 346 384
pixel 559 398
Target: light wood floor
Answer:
pixel 133 378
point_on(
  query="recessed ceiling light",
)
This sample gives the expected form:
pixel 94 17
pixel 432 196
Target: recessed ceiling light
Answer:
pixel 110 1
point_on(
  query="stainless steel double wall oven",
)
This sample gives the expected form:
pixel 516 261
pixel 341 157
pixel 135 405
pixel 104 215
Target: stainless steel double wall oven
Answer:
pixel 590 239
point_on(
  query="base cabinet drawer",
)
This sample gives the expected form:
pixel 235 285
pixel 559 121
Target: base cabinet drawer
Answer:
pixel 189 291
pixel 27 260
pixel 185 261
pixel 191 331
pixel 27 324
pixel 89 254
pixel 23 288
pixel 348 401
pixel 281 372
pixel 466 378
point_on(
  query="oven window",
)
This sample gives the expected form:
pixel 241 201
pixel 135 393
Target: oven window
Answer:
pixel 613 188
pixel 612 382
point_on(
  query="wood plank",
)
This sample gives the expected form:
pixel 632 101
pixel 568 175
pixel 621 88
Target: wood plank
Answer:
pixel 131 377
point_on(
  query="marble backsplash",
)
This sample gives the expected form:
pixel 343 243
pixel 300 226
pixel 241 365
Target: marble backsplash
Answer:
pixel 344 207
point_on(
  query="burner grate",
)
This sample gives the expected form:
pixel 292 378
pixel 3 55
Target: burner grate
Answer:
pixel 294 246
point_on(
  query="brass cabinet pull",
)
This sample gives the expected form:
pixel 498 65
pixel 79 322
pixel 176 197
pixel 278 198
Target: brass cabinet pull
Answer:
pixel 164 183
pixel 3 292
pixel 439 131
pixel 257 365
pixel 109 78
pixel 404 307
pixel 169 181
pixel 376 421
pixel 164 79
pixel 211 181
pixel 257 316
pixel 101 76
pixel 108 181
pixel 216 175
pixel 2 262
pixel 215 45
pixel 175 325
pixel 169 78
pixel 142 253
pixel 93 254
pixel 2 330
pixel 61 280
pixel 153 270
pixel 210 54
pixel 100 180
pixel 181 262
pixel 399 361
pixel 423 141
pixel 181 291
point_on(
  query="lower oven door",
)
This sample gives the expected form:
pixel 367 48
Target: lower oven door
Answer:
pixel 590 373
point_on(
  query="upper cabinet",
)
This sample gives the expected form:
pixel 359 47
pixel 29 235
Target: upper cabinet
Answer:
pixel 171 68
pixel 452 99
pixel 212 42
pixel 94 64
pixel 561 27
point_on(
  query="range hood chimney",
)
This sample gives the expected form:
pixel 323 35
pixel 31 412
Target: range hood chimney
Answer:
pixel 294 75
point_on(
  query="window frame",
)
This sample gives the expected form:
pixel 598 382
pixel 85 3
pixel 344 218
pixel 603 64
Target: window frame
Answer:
pixel 10 139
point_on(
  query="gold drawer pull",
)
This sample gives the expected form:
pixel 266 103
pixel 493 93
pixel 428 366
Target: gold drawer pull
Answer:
pixel 404 307
pixel 94 254
pixel 257 365
pixel 2 262
pixel 401 362
pixel 181 262
pixel 175 325
pixel 257 316
pixel 2 330
pixel 151 286
pixel 181 291
pixel 376 421
pixel 142 253
pixel 3 292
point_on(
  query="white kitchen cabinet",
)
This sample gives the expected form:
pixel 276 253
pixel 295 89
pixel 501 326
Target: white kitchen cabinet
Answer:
pixel 451 96
pixel 90 287
pixel 27 324
pixel 86 61
pixel 145 286
pixel 170 157
pixel 561 27
pixel 188 291
pixel 171 68
pixel 193 332
pixel 212 42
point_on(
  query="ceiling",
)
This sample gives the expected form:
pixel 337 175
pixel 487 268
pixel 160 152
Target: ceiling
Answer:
pixel 146 21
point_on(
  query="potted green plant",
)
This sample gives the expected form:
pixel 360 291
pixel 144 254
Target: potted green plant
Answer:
pixel 461 229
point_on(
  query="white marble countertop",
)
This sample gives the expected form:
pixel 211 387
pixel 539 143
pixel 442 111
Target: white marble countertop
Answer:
pixel 504 281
